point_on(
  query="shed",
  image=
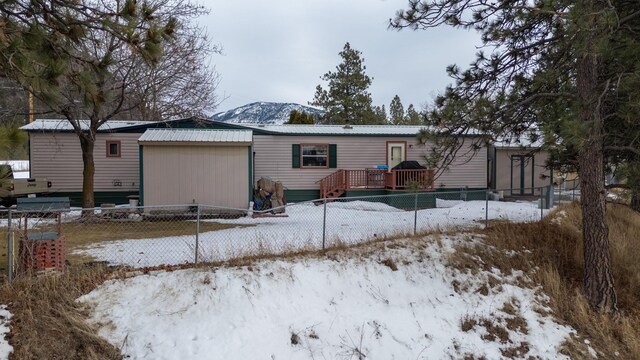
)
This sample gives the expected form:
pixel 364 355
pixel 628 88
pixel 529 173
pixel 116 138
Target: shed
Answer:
pixel 520 166
pixel 203 166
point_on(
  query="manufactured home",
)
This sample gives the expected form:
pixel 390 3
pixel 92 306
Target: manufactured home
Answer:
pixel 312 161
pixel 54 153
pixel 305 156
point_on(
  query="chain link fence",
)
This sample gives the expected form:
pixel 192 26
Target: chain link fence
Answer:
pixel 147 237
pixel 567 191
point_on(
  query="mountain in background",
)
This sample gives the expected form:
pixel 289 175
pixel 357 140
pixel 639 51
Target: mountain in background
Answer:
pixel 268 113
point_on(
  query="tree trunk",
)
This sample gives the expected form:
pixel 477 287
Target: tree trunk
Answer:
pixel 598 282
pixel 87 143
pixel 635 201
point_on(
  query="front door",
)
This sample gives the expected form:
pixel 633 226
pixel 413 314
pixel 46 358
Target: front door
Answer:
pixel 522 174
pixel 396 152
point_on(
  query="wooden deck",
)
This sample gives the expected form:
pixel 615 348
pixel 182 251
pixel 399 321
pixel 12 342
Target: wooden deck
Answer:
pixel 343 180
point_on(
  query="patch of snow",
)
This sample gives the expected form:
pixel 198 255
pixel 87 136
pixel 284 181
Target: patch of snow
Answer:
pixel 592 352
pixel 318 308
pixel 20 174
pixel 5 317
pixel 347 223
pixel 560 217
pixel 17 165
pixel 443 203
pixel 363 206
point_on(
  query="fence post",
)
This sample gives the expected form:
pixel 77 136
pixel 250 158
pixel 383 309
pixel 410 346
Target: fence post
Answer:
pixel 415 215
pixel 486 209
pixel 542 204
pixel 9 247
pixel 197 232
pixel 324 223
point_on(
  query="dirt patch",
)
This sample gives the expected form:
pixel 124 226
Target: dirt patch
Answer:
pixel 390 264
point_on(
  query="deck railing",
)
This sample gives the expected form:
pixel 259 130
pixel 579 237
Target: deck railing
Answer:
pixel 343 180
pixel 333 182
pixel 418 179
pixel 365 179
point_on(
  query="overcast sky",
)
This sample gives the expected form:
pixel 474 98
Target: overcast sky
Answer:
pixel 277 50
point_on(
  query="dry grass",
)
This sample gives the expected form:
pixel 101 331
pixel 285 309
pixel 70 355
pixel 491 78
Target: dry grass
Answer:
pixel 47 323
pixel 81 234
pixel 555 260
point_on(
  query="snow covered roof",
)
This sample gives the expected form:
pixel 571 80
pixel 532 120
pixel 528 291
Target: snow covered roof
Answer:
pixel 65 125
pixel 197 135
pixel 400 130
pixel 523 141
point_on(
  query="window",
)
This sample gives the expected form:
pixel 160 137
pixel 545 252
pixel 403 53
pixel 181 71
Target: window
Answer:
pixel 113 148
pixel 315 155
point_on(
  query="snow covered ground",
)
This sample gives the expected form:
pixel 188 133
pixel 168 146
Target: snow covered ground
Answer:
pixel 346 222
pixel 20 168
pixel 5 348
pixel 348 305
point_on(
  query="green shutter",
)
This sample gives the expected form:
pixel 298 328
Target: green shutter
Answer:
pixel 295 155
pixel 333 155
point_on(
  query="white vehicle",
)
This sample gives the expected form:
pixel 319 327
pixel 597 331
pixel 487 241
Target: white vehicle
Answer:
pixel 11 189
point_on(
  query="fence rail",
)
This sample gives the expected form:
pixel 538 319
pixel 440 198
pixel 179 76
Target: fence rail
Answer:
pixel 139 237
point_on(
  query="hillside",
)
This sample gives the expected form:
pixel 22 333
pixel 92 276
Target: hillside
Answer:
pixel 400 300
pixel 269 113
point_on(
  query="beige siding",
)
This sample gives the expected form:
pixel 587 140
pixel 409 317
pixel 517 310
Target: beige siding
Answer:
pixel 273 158
pixel 210 175
pixel 57 156
pixel 504 170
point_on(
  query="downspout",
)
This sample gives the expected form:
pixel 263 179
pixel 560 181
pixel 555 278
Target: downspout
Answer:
pixel 141 177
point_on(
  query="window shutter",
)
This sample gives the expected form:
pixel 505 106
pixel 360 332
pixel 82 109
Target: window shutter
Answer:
pixel 295 155
pixel 333 155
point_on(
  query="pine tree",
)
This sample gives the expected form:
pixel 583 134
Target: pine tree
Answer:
pixel 89 62
pixel 412 117
pixel 379 116
pixel 396 111
pixel 347 99
pixel 554 65
pixel 300 117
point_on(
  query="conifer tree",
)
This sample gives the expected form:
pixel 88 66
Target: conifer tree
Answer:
pixel 412 117
pixel 554 66
pixel 379 116
pixel 300 117
pixel 396 111
pixel 347 98
pixel 89 62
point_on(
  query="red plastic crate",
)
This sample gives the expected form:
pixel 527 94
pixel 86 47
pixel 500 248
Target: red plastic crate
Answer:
pixel 37 255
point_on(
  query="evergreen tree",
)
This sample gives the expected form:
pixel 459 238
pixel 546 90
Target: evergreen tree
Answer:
pixel 555 66
pixel 347 99
pixel 379 116
pixel 300 117
pixel 412 117
pixel 89 62
pixel 396 111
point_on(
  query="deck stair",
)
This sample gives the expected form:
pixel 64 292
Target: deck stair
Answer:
pixel 338 183
pixel 333 185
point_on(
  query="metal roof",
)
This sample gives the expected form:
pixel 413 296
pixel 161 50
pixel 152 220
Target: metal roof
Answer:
pixel 197 135
pixel 401 130
pixel 65 125
pixel 523 141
